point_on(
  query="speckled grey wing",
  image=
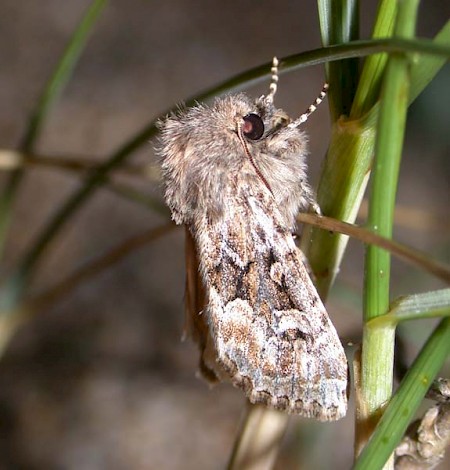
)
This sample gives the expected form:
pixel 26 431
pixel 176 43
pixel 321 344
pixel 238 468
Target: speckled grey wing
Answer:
pixel 271 332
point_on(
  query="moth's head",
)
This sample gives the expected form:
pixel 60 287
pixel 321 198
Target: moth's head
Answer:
pixel 241 117
pixel 264 119
pixel 208 152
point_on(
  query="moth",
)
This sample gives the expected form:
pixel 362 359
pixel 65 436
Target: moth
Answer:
pixel 235 175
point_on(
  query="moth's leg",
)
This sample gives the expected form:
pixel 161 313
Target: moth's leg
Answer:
pixel 311 204
pixel 314 206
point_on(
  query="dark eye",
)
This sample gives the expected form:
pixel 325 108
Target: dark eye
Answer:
pixel 253 127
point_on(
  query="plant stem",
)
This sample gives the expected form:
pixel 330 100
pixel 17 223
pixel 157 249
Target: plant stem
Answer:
pixel 378 344
pixel 407 399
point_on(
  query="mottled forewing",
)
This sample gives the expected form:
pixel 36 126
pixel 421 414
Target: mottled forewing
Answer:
pixel 270 329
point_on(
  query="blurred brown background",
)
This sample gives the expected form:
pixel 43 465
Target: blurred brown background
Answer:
pixel 102 379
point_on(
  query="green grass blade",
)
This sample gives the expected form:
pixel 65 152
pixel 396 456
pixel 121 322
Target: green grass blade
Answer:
pixel 369 85
pixel 51 91
pixel 427 66
pixel 414 307
pixel 404 403
pixel 62 73
pixel 339 23
pixel 353 49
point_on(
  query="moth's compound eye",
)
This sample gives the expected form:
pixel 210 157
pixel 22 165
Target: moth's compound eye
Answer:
pixel 253 127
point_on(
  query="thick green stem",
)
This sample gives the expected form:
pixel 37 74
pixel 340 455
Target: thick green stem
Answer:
pixel 341 188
